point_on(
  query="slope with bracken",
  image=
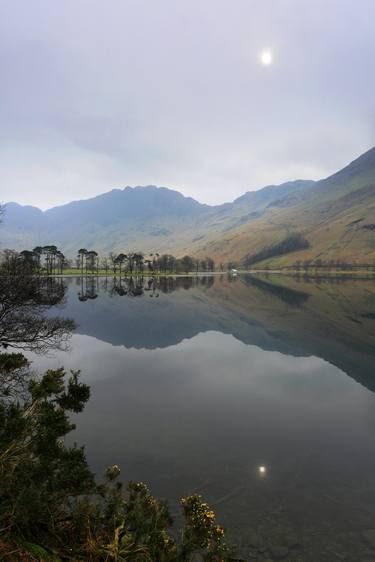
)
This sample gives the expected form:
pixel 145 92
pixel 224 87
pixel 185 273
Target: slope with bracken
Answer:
pixel 335 215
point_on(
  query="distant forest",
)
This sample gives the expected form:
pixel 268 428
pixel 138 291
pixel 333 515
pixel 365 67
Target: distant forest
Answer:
pixel 50 260
pixel 291 243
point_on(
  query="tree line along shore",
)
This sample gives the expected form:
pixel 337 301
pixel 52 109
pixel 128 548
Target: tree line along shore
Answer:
pixel 50 260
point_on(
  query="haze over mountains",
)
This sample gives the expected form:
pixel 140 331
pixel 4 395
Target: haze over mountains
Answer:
pixel 335 215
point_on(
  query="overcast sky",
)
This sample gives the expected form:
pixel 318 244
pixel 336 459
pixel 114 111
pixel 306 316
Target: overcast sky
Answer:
pixel 100 94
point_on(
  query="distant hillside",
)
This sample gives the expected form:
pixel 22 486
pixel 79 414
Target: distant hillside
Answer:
pixel 336 216
pixel 332 219
pixel 141 218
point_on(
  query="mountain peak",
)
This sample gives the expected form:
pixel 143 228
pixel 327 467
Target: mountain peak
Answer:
pixel 364 163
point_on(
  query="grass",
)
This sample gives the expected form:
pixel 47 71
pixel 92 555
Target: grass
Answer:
pixel 110 273
pixel 355 271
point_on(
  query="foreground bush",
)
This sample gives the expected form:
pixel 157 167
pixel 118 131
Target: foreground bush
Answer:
pixel 51 508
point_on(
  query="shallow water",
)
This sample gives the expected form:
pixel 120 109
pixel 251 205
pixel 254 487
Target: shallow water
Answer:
pixel 197 383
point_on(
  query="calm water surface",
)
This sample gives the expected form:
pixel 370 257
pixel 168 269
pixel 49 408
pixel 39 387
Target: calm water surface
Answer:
pixel 196 384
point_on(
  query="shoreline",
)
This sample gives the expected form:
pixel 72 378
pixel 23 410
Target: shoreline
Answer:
pixel 316 274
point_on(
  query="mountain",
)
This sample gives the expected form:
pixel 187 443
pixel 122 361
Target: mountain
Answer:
pixel 129 218
pixel 334 218
pixel 142 218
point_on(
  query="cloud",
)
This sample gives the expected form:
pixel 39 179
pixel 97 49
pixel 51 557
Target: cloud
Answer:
pixel 95 96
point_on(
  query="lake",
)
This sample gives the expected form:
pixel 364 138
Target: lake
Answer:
pixel 256 391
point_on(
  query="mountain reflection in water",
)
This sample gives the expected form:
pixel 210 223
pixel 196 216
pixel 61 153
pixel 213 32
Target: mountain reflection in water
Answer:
pixel 331 319
pixel 244 389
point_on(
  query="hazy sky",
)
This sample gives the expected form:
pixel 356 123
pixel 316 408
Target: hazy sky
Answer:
pixel 100 94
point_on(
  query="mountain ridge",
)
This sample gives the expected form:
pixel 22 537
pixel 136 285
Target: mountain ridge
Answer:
pixel 131 216
pixel 152 187
pixel 330 214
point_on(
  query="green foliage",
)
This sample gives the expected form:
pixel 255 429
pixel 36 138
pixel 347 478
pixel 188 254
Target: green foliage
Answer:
pixel 38 473
pixel 11 362
pixel 51 509
pixel 40 553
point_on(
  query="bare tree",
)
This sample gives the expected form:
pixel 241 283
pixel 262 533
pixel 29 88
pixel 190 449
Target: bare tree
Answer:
pixel 23 323
pixel 113 261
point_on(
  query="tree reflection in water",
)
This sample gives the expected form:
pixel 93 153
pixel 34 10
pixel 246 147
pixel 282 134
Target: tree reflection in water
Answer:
pixel 139 286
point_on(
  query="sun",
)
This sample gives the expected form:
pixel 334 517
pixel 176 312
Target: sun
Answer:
pixel 266 58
